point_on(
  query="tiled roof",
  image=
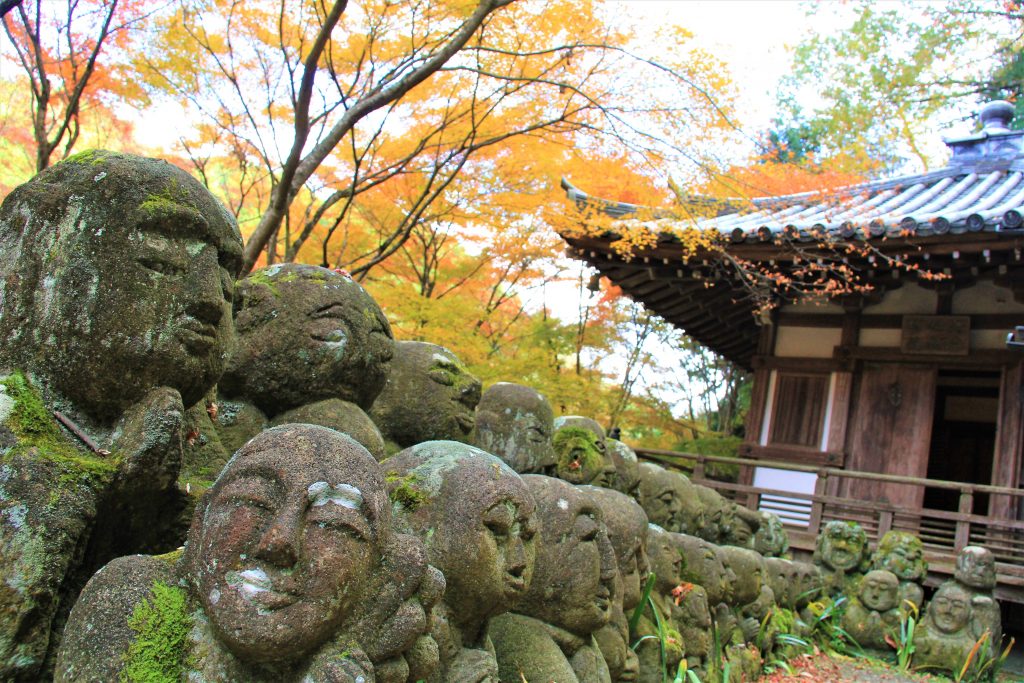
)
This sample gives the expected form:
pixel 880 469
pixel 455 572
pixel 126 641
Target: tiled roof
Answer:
pixel 982 189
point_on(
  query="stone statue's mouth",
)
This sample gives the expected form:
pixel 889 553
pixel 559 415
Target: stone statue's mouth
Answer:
pixel 197 335
pixel 256 586
pixel 515 584
pixel 465 421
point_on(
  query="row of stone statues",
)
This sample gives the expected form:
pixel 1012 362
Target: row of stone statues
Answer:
pixel 351 508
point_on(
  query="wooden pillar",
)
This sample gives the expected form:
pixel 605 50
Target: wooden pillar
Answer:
pixel 1006 464
pixel 758 396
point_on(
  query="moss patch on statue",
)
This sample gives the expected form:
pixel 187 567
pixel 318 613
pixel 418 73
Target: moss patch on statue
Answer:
pixel 579 459
pixel 403 490
pixel 36 432
pixel 161 625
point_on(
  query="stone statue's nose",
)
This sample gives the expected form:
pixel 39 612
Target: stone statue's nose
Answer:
pixel 279 543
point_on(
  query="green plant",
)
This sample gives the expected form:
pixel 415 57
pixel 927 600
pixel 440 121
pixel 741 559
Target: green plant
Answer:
pixel 981 663
pixel 905 644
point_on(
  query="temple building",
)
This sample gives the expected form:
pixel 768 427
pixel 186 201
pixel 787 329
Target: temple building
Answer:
pixel 897 403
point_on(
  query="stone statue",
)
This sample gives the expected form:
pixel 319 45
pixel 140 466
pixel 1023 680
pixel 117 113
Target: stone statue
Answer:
pixel 748 604
pixel 550 634
pixel 312 347
pixel 781 577
pixel 874 612
pixel 666 564
pixel 944 639
pixel 809 587
pixel 516 423
pixel 705 566
pixel 976 572
pixel 718 514
pixel 627 467
pixel 712 582
pixel 770 539
pixel 692 616
pixel 292 572
pixel 477 520
pixel 670 499
pixel 429 396
pixel 626 524
pixel 841 551
pixel 116 277
pixel 744 523
pixel 581 454
pixel 902 553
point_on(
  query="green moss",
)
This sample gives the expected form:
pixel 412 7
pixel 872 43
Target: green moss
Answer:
pixel 93 157
pixel 161 625
pixel 403 490
pixel 39 436
pixel 587 457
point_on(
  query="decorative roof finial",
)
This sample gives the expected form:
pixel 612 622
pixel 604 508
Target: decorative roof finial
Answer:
pixel 995 117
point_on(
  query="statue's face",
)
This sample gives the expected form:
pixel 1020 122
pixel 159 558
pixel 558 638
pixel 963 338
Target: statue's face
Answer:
pixel 842 547
pixel 770 538
pixel 705 561
pixel 452 391
pixel 740 531
pixel 488 562
pixel 139 290
pixel 284 551
pixel 660 498
pixel 976 567
pixel 902 554
pixel 305 334
pixel 748 569
pixel 516 423
pixel 630 570
pixel 879 590
pixel 666 561
pixel 627 472
pixel 809 583
pixel 587 598
pixel 581 452
pixel 950 608
pixel 716 514
pixel 782 578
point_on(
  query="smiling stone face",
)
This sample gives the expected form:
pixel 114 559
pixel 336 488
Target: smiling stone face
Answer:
pixel 574 577
pixel 429 396
pixel 841 546
pixel 901 553
pixel 286 540
pixel 478 522
pixel 117 277
pixel 515 423
pixel 306 334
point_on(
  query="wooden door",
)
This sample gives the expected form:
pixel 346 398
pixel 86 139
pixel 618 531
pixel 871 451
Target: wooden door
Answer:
pixel 892 429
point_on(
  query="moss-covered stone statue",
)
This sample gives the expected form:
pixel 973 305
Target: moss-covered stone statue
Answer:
pixel 581 454
pixel 770 539
pixel 627 467
pixel 116 277
pixel 718 514
pixel 841 551
pixel 902 553
pixel 312 347
pixel 429 396
pixel 751 597
pixel 670 499
pixel 873 614
pixel 292 572
pixel 515 422
pixel 666 562
pixel 707 585
pixel 944 638
pixel 626 524
pixel 550 634
pixel 976 572
pixel 477 521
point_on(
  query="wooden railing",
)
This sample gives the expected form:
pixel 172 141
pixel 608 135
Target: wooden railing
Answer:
pixel 943 532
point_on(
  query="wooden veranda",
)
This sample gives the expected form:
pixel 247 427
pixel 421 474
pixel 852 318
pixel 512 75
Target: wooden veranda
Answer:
pixel 943 532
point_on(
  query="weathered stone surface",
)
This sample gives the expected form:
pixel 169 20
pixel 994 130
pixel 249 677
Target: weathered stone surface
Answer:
pixel 944 638
pixel 976 572
pixel 627 467
pixel 873 614
pixel 670 499
pixel 705 567
pixel 339 415
pixel 293 572
pixel 666 564
pixel 770 539
pixel 581 454
pixel 718 513
pixel 550 635
pixel 747 597
pixel 902 553
pixel 117 278
pixel 477 520
pixel 744 523
pixel 515 422
pixel 306 334
pixel 429 396
pixel 692 616
pixel 841 551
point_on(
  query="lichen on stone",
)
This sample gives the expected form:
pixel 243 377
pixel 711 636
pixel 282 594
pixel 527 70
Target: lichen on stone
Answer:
pixel 161 625
pixel 403 490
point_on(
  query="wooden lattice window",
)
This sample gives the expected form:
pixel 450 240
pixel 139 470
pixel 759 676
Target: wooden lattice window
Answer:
pixel 798 415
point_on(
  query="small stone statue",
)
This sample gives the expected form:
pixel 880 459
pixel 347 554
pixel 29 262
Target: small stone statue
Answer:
pixel 292 572
pixel 744 524
pixel 581 454
pixel 627 530
pixel 902 553
pixel 550 634
pixel 976 572
pixel 312 347
pixel 692 615
pixel 429 396
pixel 476 518
pixel 116 277
pixel 809 587
pixel 718 514
pixel 770 539
pixel 841 552
pixel 944 639
pixel 748 604
pixel 670 499
pixel 516 423
pixel 666 564
pixel 627 467
pixel 705 566
pixel 874 612
pixel 781 577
